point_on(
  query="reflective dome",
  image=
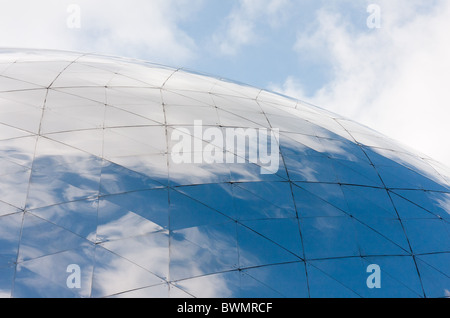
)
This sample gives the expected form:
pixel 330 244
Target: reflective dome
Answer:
pixel 101 196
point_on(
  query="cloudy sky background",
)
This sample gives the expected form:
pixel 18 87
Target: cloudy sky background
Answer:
pixel 395 79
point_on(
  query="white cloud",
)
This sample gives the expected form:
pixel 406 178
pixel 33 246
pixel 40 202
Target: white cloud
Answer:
pixel 133 28
pixel 291 87
pixel 241 25
pixel 394 79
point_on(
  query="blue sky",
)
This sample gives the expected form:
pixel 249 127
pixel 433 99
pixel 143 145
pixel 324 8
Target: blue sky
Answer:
pixel 395 78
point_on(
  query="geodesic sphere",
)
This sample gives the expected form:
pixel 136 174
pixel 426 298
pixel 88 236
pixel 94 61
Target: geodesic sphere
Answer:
pixel 119 178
